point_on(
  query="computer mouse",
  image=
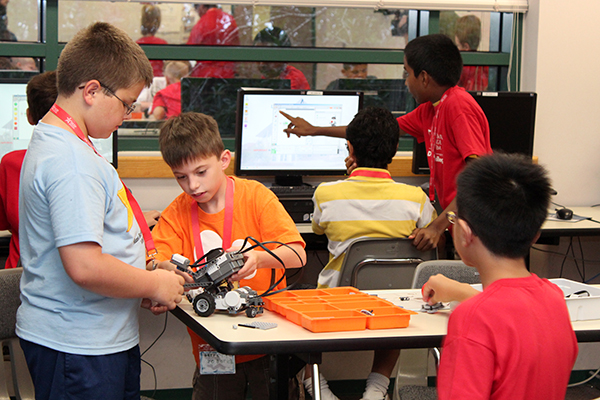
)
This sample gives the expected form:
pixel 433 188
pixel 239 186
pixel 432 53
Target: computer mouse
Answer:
pixel 564 213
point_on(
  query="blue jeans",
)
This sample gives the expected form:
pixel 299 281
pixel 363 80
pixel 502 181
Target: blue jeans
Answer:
pixel 63 376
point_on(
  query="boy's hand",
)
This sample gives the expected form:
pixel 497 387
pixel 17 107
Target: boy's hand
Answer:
pixel 251 259
pixel 425 239
pixel 169 266
pixel 156 309
pixel 169 288
pixel 350 164
pixel 151 217
pixel 298 126
pixel 441 289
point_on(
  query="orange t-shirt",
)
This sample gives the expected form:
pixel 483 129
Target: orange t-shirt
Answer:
pixel 256 212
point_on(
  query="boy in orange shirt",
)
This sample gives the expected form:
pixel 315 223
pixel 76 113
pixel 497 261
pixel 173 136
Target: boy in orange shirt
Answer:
pixel 223 211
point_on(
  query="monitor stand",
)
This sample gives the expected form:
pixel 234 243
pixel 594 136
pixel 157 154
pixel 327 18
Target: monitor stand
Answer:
pixel 295 180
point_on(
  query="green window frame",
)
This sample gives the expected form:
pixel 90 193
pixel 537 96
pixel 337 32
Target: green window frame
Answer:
pixel 49 48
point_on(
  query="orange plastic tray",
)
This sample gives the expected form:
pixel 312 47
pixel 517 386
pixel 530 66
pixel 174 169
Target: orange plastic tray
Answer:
pixel 337 309
pixel 389 317
pixel 334 321
pixel 295 312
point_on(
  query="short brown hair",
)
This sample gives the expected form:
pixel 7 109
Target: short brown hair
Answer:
pixel 468 30
pixel 105 53
pixel 189 136
pixel 150 19
pixel 41 94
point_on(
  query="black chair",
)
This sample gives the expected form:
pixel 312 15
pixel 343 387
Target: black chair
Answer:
pixel 382 263
pixel 9 302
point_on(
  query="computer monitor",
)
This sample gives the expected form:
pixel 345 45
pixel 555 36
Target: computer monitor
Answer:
pixel 263 149
pixel 511 116
pixel 385 93
pixel 15 130
pixel 217 97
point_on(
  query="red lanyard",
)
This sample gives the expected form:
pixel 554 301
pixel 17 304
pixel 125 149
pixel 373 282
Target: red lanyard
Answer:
pixel 227 222
pixel 433 142
pixel 370 173
pixel 135 207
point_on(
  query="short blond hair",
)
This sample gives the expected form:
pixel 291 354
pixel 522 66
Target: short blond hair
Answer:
pixel 105 53
pixel 176 70
pixel 189 136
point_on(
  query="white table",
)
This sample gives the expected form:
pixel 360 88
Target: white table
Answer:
pixel 424 331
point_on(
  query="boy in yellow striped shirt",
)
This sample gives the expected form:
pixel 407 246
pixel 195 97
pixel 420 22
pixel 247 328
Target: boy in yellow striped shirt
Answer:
pixel 369 203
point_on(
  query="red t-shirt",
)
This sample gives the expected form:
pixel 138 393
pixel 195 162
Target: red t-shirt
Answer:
pixel 461 129
pixel 157 65
pixel 170 99
pixel 296 77
pixel 10 172
pixel 215 28
pixel 514 341
pixel 474 78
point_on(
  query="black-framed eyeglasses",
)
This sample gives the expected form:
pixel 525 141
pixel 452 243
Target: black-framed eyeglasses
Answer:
pixel 129 108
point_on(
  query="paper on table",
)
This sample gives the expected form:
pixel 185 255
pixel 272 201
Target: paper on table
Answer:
pixel 576 218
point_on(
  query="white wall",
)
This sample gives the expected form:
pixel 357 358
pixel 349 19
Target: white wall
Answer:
pixel 561 63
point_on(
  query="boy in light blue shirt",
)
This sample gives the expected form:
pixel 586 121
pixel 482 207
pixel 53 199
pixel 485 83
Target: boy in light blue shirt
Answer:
pixel 83 237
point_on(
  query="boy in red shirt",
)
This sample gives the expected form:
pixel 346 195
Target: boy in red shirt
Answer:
pixel 448 120
pixel 514 340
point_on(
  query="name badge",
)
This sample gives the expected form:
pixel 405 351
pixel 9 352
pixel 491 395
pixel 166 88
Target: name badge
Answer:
pixel 213 363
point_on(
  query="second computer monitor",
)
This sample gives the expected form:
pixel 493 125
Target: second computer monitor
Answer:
pixel 15 130
pixel 264 149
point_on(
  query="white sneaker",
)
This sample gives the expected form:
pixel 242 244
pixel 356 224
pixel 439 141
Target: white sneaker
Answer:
pixel 326 393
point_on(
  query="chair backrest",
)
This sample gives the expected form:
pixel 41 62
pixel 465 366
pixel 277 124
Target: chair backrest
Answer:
pixel 9 301
pixel 453 269
pixel 382 263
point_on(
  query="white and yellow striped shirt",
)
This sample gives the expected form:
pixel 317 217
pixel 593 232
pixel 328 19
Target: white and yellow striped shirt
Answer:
pixel 365 206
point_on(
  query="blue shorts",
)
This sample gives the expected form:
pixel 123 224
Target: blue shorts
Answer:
pixel 63 376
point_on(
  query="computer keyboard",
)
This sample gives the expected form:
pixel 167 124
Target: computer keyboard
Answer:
pixel 301 191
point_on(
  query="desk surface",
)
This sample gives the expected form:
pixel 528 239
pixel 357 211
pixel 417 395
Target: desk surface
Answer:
pixel 586 227
pixel 424 331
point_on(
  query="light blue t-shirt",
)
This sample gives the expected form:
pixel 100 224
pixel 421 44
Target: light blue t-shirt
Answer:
pixel 70 195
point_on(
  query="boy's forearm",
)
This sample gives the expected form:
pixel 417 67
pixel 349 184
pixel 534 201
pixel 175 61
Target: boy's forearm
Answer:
pixel 104 274
pixel 289 258
pixel 441 223
pixel 332 131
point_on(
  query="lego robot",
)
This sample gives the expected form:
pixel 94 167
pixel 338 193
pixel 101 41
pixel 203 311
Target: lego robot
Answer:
pixel 211 291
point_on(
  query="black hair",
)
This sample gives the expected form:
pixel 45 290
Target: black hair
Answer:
pixel 374 134
pixel 504 198
pixel 274 36
pixel 438 55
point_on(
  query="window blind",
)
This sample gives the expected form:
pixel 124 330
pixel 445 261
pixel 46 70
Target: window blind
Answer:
pixel 515 6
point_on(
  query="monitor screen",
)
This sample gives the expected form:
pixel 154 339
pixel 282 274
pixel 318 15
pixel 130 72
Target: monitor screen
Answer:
pixel 263 148
pixel 511 116
pixel 218 97
pixel 385 93
pixel 15 130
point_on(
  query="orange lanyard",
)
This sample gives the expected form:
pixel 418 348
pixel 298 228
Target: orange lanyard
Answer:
pixel 137 211
pixel 227 223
